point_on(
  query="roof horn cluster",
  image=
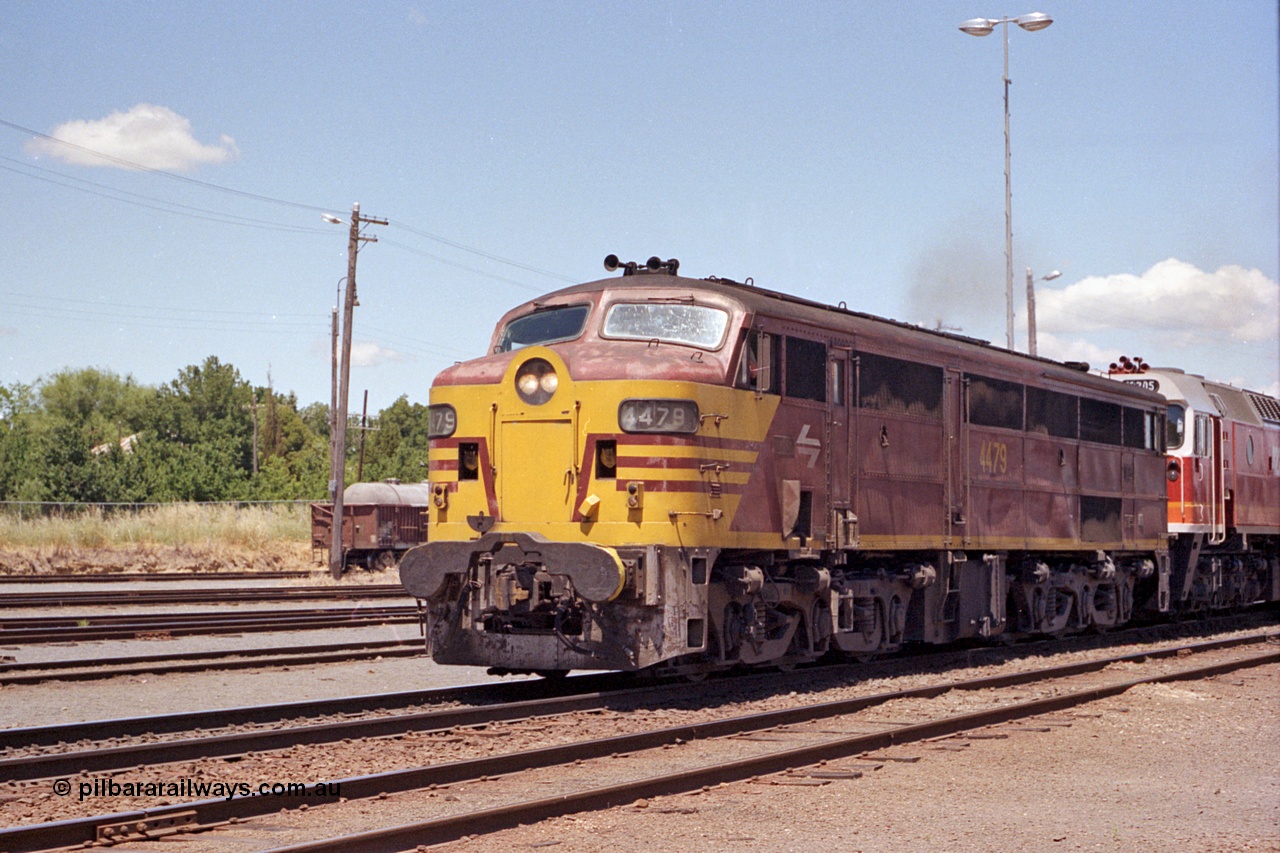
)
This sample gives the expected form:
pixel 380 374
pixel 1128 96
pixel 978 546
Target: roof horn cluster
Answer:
pixel 651 266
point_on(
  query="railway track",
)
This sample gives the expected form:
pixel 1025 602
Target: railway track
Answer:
pixel 796 743
pixel 199 596
pixel 515 691
pixel 64 763
pixel 89 669
pixel 82 628
pixel 667 759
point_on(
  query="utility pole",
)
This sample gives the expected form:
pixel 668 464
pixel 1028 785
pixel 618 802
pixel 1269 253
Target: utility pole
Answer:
pixel 336 555
pixel 333 402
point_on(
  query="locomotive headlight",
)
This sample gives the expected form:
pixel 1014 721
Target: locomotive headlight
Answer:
pixel 536 381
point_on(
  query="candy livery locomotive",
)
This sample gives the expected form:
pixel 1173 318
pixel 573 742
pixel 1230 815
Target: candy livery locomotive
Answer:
pixel 1223 471
pixel 657 472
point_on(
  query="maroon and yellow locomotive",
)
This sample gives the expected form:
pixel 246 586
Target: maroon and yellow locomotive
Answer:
pixel 658 471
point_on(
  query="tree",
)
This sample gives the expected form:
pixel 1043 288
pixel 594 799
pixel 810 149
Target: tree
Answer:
pixel 294 459
pixel 89 435
pixel 20 467
pixel 398 448
pixel 204 430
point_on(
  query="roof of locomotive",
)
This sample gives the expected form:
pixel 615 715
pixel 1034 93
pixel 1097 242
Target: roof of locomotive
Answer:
pixel 788 307
pixel 1240 404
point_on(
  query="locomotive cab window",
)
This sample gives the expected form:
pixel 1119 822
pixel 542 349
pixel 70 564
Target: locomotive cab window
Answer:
pixel 806 369
pixel 1203 436
pixel 1175 427
pixel 547 326
pixel 758 365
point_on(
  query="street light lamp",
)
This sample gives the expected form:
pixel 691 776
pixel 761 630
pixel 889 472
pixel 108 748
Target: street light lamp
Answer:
pixel 1031 307
pixel 983 27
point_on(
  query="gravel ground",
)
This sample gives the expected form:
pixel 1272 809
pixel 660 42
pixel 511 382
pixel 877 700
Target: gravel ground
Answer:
pixel 54 702
pixel 1192 766
pixel 1176 767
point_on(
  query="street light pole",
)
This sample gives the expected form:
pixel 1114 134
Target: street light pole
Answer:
pixel 982 27
pixel 1008 206
pixel 1031 307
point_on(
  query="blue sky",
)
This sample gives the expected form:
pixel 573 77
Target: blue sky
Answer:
pixel 842 151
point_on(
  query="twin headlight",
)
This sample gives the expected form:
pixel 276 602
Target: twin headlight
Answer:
pixel 536 381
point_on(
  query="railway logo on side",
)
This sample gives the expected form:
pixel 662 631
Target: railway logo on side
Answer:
pixel 810 447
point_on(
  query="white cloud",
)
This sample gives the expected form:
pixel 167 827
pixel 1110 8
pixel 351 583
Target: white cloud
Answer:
pixel 367 354
pixel 1224 325
pixel 1058 348
pixel 1174 297
pixel 146 136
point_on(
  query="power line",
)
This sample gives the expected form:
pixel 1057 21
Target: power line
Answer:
pixel 422 347
pixel 209 215
pixel 172 175
pixel 166 323
pixel 213 324
pixel 231 219
pixel 446 241
pixel 461 266
pixel 115 304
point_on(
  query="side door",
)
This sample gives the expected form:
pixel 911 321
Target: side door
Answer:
pixel 955 426
pixel 1210 501
pixel 842 524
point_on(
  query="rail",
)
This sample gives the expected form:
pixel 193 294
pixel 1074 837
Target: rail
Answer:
pixel 441 829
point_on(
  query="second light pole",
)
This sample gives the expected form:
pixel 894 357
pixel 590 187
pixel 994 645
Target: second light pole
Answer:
pixel 983 27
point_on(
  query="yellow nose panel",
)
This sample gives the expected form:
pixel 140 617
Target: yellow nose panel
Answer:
pixel 536 476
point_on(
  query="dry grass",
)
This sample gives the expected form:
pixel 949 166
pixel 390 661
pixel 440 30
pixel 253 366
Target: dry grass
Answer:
pixel 175 537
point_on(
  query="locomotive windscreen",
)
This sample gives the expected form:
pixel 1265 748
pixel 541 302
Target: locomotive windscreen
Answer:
pixel 562 323
pixel 693 325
